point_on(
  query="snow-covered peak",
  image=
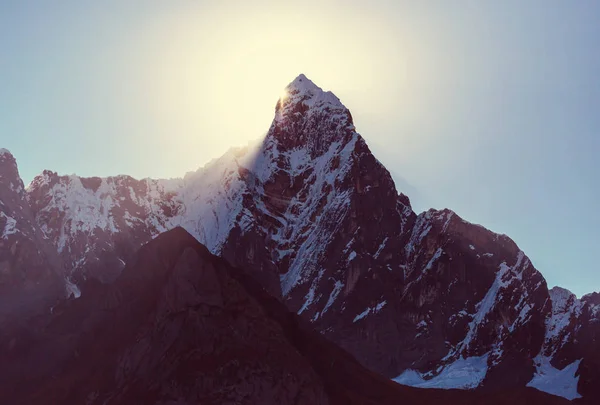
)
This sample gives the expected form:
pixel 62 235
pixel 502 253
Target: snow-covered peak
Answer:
pixel 303 84
pixel 9 173
pixel 566 308
pixel 303 90
pixel 308 118
pixel 562 299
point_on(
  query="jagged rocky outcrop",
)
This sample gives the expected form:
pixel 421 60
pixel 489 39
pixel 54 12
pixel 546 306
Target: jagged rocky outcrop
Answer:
pixel 30 270
pixel 312 215
pixel 181 326
pixel 175 327
pixel 571 348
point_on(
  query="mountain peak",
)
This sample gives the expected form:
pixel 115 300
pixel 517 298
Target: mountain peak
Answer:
pixel 302 91
pixel 9 173
pixel 306 116
pixel 557 292
pixel 7 157
pixel 303 84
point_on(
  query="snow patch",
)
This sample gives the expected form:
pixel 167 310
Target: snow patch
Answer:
pixel 370 310
pixel 10 228
pixel 381 246
pixel 337 288
pixel 551 380
pixel 72 289
pixel 464 373
pixel 491 298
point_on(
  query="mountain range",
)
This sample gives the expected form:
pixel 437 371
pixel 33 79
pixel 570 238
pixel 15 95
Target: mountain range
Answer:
pixel 307 225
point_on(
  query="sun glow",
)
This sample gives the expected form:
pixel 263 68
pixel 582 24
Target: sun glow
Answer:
pixel 210 78
pixel 283 96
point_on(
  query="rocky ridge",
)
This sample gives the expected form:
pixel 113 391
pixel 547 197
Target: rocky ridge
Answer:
pixel 181 326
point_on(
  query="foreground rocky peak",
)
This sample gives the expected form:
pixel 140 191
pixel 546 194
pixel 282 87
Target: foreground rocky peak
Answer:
pixel 9 173
pixel 175 327
pixel 180 325
pixel 31 273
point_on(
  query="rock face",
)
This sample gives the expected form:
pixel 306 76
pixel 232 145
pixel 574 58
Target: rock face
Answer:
pixel 30 270
pixel 181 326
pixel 571 348
pixel 175 327
pixel 315 218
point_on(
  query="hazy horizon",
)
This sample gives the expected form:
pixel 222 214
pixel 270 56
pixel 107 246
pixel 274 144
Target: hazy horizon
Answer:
pixel 488 109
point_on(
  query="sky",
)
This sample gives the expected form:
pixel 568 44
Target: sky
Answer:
pixel 488 108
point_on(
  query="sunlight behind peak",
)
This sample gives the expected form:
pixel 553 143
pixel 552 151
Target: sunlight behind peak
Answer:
pixel 215 91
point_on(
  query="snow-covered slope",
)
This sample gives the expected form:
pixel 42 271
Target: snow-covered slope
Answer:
pixel 96 224
pixel 572 332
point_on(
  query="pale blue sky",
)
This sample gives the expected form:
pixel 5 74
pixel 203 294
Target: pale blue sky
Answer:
pixel 489 108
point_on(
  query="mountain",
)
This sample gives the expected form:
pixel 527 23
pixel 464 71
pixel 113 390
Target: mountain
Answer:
pixel 181 326
pixel 429 300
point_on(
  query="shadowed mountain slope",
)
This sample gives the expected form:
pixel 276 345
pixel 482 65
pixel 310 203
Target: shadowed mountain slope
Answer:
pixel 181 326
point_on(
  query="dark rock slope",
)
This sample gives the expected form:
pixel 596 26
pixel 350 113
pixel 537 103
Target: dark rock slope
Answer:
pixel 31 273
pixel 181 326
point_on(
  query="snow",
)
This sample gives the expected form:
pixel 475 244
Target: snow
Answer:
pixel 522 316
pixel 227 192
pixel 421 328
pixel 422 227
pixel 315 232
pixel 376 255
pixel 565 307
pixel 553 381
pixel 489 301
pixel 319 103
pixel 566 310
pixel 86 210
pixel 337 288
pixel 231 191
pixel 10 228
pixel 370 310
pixel 471 247
pixel 447 223
pixel 206 203
pixel 438 253
pixel 313 95
pixel 297 159
pixel 464 373
pixel 72 288
pixel 595 309
pixel 309 298
pixel 362 315
pixel 4 152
